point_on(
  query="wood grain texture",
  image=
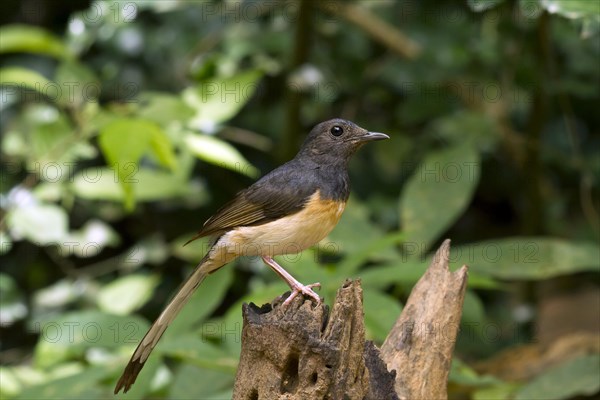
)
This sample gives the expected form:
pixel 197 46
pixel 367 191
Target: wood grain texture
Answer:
pixel 306 352
pixel 303 352
pixel 420 345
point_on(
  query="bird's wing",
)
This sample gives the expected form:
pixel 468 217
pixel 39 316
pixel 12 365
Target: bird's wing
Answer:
pixel 282 192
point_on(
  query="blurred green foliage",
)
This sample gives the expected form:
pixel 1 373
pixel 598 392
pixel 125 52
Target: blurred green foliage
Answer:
pixel 126 125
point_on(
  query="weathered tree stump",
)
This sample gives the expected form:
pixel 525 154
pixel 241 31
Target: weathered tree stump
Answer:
pixel 303 351
pixel 420 345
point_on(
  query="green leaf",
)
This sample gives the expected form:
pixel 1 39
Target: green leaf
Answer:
pixel 462 374
pixel 124 142
pixel 15 378
pixel 473 310
pixel 192 382
pixel 500 391
pixel 437 194
pixel 467 128
pixel 576 377
pixel 151 249
pixel 14 144
pixel 218 100
pixel 164 108
pixel 201 352
pixel 194 251
pixel 124 295
pixel 123 148
pixel 50 139
pixel 91 238
pixel 408 272
pixel 59 294
pixel 71 334
pixel 350 233
pixel 48 191
pixel 203 302
pixel 98 183
pixel 24 78
pixel 11 384
pixel 83 385
pixel 50 145
pixel 480 281
pixel 39 223
pixel 359 240
pixel 163 149
pixel 147 184
pixel 355 259
pixel 382 276
pixel 78 84
pixel 381 312
pixel 527 257
pixel 29 39
pixel 219 152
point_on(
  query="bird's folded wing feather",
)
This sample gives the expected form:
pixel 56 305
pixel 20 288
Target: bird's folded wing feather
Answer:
pixel 273 197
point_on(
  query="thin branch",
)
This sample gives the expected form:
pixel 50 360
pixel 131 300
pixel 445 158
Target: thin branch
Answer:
pixel 372 25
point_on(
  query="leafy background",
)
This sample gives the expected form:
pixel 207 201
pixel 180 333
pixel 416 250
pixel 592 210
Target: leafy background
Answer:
pixel 125 124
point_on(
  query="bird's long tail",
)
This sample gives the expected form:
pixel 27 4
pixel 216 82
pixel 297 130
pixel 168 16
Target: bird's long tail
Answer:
pixel 142 352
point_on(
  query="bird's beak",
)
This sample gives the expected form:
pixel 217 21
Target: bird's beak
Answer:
pixel 370 136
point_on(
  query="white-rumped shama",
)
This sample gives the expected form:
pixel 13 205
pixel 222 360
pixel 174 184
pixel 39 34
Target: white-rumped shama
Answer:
pixel 288 210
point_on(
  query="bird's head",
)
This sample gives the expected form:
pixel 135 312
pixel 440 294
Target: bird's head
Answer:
pixel 336 140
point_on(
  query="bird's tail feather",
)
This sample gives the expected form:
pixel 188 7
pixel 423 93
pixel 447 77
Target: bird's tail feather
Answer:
pixel 147 344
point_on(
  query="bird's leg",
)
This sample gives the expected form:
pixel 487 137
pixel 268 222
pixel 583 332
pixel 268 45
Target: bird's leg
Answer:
pixel 296 286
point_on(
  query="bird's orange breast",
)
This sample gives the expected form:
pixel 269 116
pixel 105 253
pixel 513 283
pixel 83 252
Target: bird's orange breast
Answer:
pixel 287 235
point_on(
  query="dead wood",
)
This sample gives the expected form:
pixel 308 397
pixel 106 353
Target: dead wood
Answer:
pixel 420 345
pixel 304 351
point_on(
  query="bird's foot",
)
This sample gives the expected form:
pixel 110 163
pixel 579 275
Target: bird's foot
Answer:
pixel 305 290
pixel 296 286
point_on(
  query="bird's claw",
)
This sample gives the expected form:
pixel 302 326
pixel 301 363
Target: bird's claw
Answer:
pixel 306 290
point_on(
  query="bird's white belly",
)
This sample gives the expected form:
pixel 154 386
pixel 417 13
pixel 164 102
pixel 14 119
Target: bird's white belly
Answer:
pixel 287 235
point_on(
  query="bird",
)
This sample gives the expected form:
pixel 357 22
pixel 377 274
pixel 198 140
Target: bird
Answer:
pixel 288 210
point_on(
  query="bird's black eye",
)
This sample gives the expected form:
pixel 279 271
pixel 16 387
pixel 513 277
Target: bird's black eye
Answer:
pixel 337 130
